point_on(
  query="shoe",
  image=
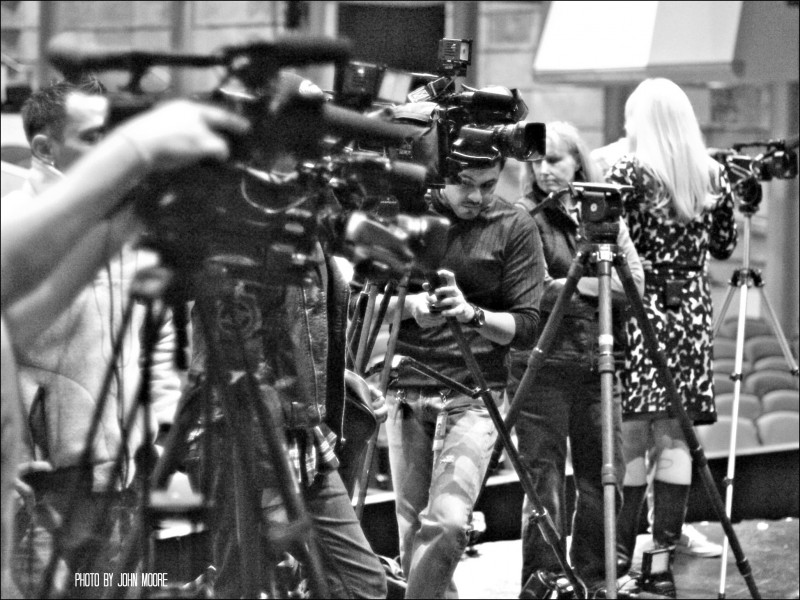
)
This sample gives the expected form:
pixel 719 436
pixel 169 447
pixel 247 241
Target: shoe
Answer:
pixel 694 543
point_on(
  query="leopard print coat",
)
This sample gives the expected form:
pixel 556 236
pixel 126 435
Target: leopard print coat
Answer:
pixel 678 253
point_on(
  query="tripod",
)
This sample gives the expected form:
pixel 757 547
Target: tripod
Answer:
pixel 243 404
pixel 82 475
pixel 605 254
pixel 742 279
pixel 259 578
pixel 364 330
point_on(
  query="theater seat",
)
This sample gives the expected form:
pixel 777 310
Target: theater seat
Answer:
pixel 762 346
pixel 781 400
pixel 726 366
pixel 779 427
pixel 761 382
pixel 716 437
pixel 753 327
pixel 776 363
pixel 722 384
pixel 749 405
pixel 724 348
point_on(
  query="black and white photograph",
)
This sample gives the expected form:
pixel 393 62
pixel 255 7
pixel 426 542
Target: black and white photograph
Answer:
pixel 400 299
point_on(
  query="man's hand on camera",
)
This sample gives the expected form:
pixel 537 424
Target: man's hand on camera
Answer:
pixel 379 407
pixel 180 133
pixel 26 474
pixel 448 300
pixel 419 305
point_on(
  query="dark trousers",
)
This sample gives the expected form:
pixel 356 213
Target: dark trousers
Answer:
pixel 566 403
pixel 351 568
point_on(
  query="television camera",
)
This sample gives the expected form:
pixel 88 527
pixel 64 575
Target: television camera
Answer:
pixel 457 126
pixel 292 181
pixel 778 160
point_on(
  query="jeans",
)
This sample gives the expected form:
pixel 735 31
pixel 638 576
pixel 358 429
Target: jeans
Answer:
pixel 567 404
pixel 350 567
pixel 440 445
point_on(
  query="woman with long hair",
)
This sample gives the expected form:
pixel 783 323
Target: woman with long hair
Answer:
pixel 681 210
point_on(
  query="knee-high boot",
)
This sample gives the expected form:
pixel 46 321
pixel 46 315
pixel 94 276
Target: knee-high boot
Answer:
pixel 670 501
pixel 628 525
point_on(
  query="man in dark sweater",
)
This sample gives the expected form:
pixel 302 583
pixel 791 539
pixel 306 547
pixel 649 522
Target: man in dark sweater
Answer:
pixel 440 441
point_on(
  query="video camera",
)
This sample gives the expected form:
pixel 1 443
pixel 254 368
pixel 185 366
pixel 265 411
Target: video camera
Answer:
pixel 458 126
pixel 280 191
pixel 778 160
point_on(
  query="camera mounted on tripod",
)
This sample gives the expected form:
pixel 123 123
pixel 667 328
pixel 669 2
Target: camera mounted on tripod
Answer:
pixel 455 127
pixel 458 127
pixel 778 160
pixel 600 208
pixel 290 183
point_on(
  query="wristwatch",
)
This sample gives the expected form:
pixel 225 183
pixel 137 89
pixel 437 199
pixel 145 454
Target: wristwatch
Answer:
pixel 478 318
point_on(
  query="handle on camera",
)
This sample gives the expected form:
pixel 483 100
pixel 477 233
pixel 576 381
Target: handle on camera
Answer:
pixel 437 279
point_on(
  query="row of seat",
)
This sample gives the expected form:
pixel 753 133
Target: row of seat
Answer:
pixel 769 429
pixel 727 366
pixel 759 383
pixel 754 349
pixel 753 327
pixel 752 407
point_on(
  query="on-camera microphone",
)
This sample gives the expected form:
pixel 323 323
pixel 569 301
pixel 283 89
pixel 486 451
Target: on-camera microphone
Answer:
pixel 295 51
pixel 72 58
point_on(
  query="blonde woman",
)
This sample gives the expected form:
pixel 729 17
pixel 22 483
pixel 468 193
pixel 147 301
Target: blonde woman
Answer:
pixel 681 211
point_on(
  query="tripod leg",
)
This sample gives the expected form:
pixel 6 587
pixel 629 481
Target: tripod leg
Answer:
pixel 46 586
pixel 245 505
pixel 724 310
pixel 361 356
pixel 698 456
pixel 609 475
pixel 268 416
pixel 377 323
pixel 737 391
pixel 539 515
pixel 538 354
pixel 391 346
pixel 354 329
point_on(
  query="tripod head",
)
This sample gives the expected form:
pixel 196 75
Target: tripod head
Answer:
pixel 601 208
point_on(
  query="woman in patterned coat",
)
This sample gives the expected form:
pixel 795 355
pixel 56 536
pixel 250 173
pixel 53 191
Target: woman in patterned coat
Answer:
pixel 681 211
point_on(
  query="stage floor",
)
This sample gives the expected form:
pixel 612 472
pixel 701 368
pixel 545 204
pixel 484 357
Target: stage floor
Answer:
pixel 771 547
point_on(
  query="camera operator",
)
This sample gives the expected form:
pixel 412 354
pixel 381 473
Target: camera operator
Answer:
pixel 681 210
pixel 567 399
pixel 53 247
pixel 287 322
pixel 440 441
pixel 62 369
